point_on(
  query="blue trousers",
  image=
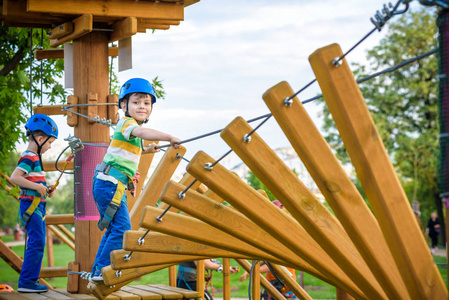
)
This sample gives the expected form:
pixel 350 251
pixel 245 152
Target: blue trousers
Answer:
pixel 103 192
pixel 32 260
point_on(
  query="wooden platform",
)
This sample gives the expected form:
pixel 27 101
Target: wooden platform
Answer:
pixel 136 292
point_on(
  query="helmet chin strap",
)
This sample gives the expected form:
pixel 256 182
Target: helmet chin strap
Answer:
pixel 39 148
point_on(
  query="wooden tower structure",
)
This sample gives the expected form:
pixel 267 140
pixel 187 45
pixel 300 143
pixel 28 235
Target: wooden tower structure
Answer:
pixel 90 26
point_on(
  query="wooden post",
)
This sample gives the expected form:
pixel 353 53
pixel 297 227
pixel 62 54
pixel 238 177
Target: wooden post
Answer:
pixel 200 277
pixel 90 55
pixel 172 275
pixel 50 256
pixel 336 186
pixel 377 175
pixel 227 280
pixel 255 281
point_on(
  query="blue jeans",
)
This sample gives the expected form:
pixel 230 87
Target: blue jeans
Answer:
pixel 103 192
pixel 32 260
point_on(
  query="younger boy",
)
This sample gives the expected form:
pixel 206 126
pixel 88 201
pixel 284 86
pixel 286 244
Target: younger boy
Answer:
pixel 119 166
pixel 30 176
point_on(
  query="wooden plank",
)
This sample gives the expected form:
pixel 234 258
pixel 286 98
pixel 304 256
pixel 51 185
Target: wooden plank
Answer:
pixel 156 242
pixel 200 277
pixel 239 226
pixel 275 221
pixel 198 231
pixel 50 165
pixel 159 22
pixel 138 9
pixel 186 180
pixel 125 295
pixel 377 175
pixel 62 237
pixel 82 26
pixel 60 219
pixel 101 291
pixel 290 281
pixel 61 30
pixel 49 110
pixel 172 275
pixel 263 281
pixel 113 109
pixel 145 295
pixel 255 284
pixel 15 12
pixel 48 272
pixel 144 166
pixel 141 259
pixel 11 296
pixel 164 293
pixel 338 189
pixel 185 292
pixel 75 296
pixel 92 109
pixel 142 27
pixel 10 257
pixel 227 280
pixel 41 54
pixel 123 29
pixel 112 277
pixel 150 194
pixel 55 295
pixel 72 279
pixel 316 219
pixel 72 118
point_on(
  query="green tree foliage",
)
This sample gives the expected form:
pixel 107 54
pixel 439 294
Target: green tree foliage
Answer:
pixel 15 82
pixel 403 104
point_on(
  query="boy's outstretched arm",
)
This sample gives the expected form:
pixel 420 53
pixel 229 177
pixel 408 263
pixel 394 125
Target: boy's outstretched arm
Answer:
pixel 154 135
pixel 18 179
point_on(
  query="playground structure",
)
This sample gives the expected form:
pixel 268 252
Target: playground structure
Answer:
pixel 368 255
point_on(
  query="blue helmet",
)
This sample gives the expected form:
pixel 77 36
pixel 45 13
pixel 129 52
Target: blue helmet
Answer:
pixel 136 85
pixel 43 123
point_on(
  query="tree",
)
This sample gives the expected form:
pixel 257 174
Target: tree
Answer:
pixel 15 82
pixel 403 105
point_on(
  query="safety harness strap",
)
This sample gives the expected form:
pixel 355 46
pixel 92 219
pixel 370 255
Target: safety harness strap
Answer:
pixel 112 208
pixel 32 209
pixel 117 174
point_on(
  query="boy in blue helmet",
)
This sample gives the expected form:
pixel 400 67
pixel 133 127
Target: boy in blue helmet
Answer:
pixel 29 175
pixel 119 166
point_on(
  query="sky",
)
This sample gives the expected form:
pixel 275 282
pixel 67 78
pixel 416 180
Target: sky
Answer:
pixel 219 61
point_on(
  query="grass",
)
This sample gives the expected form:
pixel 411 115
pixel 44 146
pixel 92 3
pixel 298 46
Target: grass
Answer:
pixel 316 288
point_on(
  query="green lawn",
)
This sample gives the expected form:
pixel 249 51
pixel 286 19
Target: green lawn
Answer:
pixel 316 288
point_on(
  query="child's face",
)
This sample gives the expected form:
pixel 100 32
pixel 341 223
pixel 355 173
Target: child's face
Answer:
pixel 139 106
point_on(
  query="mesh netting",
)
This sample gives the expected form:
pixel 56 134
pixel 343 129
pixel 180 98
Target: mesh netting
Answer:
pixel 443 101
pixel 85 164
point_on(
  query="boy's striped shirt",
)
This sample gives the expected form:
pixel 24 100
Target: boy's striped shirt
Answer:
pixel 125 150
pixel 30 164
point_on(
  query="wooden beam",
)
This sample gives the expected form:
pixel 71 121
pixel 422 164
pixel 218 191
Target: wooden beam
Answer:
pixel 82 26
pixel 187 293
pixel 111 278
pixel 146 259
pixel 138 9
pixel 338 189
pixel 41 54
pixel 72 117
pixel 200 232
pixel 158 22
pixel 50 165
pixel 142 27
pixel 377 175
pixel 260 210
pixel 220 216
pixel 61 236
pixel 48 272
pixel 123 29
pixel 60 219
pixel 150 194
pixel 316 219
pixel 15 13
pixel 156 242
pixel 61 30
pixel 49 110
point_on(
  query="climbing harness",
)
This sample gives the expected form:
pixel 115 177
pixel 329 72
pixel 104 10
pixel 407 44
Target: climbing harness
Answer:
pixel 116 201
pixel 25 217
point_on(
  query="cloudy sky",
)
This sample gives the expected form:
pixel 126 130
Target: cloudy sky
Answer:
pixel 219 61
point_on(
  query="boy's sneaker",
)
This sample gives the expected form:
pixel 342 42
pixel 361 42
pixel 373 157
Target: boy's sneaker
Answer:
pixel 32 288
pixel 96 278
